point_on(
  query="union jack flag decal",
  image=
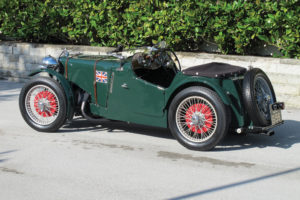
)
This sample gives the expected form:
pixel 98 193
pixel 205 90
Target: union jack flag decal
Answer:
pixel 101 77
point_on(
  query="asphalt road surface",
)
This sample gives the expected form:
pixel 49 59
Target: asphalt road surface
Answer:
pixel 116 160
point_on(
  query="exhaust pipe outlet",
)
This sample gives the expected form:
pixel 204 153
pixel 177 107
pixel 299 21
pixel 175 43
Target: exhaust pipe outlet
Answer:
pixel 87 116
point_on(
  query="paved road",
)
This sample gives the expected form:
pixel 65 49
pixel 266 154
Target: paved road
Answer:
pixel 115 160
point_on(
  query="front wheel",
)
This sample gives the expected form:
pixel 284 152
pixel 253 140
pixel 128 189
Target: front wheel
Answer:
pixel 42 104
pixel 197 118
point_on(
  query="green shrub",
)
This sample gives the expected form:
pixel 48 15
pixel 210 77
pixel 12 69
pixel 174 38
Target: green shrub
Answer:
pixel 235 26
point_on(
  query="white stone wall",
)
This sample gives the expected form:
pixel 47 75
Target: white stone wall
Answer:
pixel 18 59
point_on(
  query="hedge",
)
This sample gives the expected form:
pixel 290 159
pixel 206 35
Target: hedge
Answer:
pixel 235 26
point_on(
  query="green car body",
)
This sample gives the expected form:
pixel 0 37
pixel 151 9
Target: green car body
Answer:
pixel 109 87
pixel 141 102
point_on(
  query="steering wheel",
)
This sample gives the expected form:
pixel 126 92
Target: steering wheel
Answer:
pixel 164 60
pixel 154 59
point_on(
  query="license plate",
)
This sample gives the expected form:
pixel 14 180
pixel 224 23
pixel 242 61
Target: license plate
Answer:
pixel 275 114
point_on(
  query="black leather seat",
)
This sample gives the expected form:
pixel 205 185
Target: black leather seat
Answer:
pixel 215 70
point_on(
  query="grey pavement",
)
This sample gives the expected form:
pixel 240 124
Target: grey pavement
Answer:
pixel 116 160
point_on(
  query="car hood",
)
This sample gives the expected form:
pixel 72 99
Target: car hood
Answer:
pixel 96 57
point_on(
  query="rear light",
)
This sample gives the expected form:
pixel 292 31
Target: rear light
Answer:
pixel 278 106
pixel 282 105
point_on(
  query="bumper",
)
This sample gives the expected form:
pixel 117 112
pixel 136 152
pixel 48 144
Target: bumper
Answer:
pixel 276 120
pixel 262 130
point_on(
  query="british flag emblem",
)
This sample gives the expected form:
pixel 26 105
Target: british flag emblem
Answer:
pixel 101 77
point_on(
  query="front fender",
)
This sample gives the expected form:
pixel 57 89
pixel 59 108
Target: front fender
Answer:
pixel 66 86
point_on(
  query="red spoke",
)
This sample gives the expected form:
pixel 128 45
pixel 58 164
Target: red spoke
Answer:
pixel 204 110
pixel 50 99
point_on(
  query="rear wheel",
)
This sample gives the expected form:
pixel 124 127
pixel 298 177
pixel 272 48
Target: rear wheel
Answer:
pixel 42 104
pixel 198 118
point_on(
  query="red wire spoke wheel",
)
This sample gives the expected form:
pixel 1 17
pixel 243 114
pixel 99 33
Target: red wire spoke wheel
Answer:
pixel 43 104
pixel 196 119
pixel 198 112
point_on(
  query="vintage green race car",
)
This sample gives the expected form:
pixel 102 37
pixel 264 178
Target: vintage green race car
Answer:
pixel 199 104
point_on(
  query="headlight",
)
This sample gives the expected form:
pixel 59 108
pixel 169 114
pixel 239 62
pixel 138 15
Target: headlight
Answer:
pixel 49 61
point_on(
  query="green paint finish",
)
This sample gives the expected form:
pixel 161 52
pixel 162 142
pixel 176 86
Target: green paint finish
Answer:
pixel 135 100
pixel 126 97
pixel 102 87
pixel 138 119
pixel 181 79
pixel 66 86
pixel 81 72
pixel 96 57
pixel 234 90
pixel 225 88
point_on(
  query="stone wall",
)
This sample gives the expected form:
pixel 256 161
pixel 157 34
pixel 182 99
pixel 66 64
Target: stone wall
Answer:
pixel 18 59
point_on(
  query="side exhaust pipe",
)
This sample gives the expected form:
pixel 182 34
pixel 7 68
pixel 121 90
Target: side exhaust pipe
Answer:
pixel 87 116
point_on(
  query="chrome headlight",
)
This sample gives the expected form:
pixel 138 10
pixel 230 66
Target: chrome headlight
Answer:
pixel 49 61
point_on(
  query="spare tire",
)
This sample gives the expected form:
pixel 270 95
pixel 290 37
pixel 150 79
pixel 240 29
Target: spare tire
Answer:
pixel 258 94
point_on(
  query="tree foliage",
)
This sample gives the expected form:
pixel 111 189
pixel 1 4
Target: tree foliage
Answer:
pixel 235 26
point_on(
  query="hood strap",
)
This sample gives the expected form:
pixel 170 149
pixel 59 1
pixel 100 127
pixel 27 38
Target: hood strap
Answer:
pixel 95 82
pixel 66 67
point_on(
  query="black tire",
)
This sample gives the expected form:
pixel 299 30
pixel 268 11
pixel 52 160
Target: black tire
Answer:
pixel 46 108
pixel 206 116
pixel 256 104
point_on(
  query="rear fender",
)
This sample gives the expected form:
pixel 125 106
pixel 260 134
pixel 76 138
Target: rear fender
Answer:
pixel 180 85
pixel 66 86
pixel 212 84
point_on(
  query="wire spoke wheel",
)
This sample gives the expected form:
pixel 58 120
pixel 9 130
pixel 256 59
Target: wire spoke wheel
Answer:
pixel 258 94
pixel 42 105
pixel 196 119
pixel 264 96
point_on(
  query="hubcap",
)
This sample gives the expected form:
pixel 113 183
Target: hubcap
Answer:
pixel 42 105
pixel 196 119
